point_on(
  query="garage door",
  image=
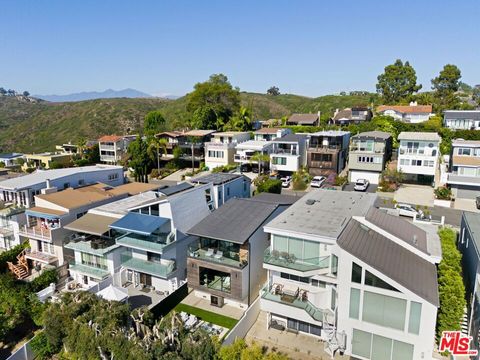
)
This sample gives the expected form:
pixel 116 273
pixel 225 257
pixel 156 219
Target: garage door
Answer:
pixel 373 177
pixel 467 192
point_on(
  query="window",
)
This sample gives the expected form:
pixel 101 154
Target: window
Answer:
pixel 81 182
pixel 376 347
pixel 416 162
pixel 414 318
pixel 318 283
pixel 279 160
pixel 361 343
pixel 373 280
pixel 305 280
pixel 154 257
pixel 303 250
pixel 94 261
pixel 113 176
pixel 405 162
pixel 354 311
pixel 356 273
pixel 381 347
pixel 384 310
pixel 215 154
pixel 464 151
pixel 334 264
pixel 66 185
pixel 402 351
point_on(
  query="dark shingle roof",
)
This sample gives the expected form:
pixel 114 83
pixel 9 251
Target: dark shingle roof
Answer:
pixel 171 190
pixel 234 221
pixel 290 138
pixel 400 228
pixel 391 259
pixel 216 178
pixel 303 118
pixel 462 114
pixel 276 198
pixel 343 114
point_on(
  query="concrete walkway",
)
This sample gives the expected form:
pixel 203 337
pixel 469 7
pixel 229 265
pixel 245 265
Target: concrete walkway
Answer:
pixel 415 194
pixel 225 310
pixel 295 346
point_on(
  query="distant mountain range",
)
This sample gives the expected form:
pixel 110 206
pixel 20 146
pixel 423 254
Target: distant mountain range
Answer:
pixel 91 95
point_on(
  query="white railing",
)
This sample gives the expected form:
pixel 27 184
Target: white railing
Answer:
pixel 36 231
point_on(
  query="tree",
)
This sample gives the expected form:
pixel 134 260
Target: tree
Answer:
pixel 274 91
pixel 445 86
pixel 93 154
pixel 204 118
pixel 11 92
pixel 139 159
pixel 217 94
pixel 241 121
pixel 398 82
pixel 476 95
pixel 3 92
pixel 154 123
pixel 26 93
pixel 261 159
pixel 154 147
pixel 265 184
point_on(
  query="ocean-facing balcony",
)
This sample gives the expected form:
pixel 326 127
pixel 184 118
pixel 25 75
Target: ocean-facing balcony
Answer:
pixel 290 261
pixel 162 268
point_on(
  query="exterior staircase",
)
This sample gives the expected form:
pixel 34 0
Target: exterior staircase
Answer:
pixel 464 323
pixel 20 270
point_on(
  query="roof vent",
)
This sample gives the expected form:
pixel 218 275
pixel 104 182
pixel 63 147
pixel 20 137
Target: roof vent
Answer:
pixel 310 202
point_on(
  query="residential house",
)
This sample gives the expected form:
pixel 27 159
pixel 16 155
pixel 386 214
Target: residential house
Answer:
pixel 46 160
pixel 464 175
pixel 220 150
pixel 353 115
pixel 412 113
pixel 327 152
pixel 225 261
pixel 114 147
pixel 387 292
pixel 369 153
pixel 301 289
pixel 269 134
pixel 11 218
pixel 469 246
pixel 10 159
pixel 246 150
pixel 225 186
pixel 271 123
pixel 304 119
pixel 418 154
pixel 462 119
pixel 70 148
pixel 173 138
pixel 193 144
pixel 289 153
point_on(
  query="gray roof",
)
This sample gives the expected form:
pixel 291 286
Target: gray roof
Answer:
pixel 290 138
pixel 391 259
pixel 277 198
pixel 216 178
pixel 400 228
pixel 235 221
pixel 343 114
pixel 373 135
pixel 473 222
pixel 426 136
pixel 303 118
pixel 170 190
pixel 462 114
pixel 323 213
pixel 462 142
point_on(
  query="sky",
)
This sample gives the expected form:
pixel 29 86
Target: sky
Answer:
pixel 309 48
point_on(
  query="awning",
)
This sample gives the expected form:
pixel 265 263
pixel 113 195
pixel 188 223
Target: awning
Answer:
pixel 113 293
pixel 44 212
pixel 139 223
pixel 91 224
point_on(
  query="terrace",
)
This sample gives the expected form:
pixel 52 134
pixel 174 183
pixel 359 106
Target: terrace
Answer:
pixel 160 268
pixel 290 261
pixel 221 252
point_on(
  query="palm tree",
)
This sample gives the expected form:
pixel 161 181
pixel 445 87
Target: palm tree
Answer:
pixel 154 149
pixel 82 143
pixel 261 158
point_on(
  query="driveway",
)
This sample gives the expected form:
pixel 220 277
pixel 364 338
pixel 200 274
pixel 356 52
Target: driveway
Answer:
pixel 415 194
pixel 465 205
pixel 372 188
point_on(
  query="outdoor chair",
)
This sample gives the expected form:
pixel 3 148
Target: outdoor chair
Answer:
pixel 218 255
pixel 209 252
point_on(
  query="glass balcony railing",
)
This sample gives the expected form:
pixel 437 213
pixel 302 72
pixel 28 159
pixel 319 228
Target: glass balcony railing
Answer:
pixel 84 269
pixel 154 243
pixel 161 268
pixel 91 244
pixel 211 254
pixel 290 261
pixel 269 293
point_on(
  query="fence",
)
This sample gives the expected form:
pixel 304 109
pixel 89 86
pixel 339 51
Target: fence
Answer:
pixel 24 353
pixel 244 324
pixel 172 300
pixel 101 285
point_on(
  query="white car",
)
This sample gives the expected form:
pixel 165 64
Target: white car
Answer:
pixel 286 181
pixel 361 185
pixel 408 210
pixel 318 181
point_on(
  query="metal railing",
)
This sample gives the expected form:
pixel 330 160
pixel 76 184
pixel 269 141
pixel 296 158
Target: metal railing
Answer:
pixel 290 261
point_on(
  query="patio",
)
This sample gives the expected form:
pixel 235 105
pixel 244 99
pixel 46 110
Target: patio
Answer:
pixel 138 297
pixel 225 310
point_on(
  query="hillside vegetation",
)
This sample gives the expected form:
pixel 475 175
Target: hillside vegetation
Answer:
pixel 27 127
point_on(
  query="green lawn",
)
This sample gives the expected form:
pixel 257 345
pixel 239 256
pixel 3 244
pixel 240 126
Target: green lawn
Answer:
pixel 207 316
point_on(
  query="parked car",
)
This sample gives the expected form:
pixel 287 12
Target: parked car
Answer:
pixel 477 202
pixel 317 181
pixel 361 185
pixel 409 210
pixel 286 181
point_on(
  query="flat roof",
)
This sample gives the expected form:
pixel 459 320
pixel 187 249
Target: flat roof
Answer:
pixel 91 224
pixel 462 142
pixel 121 207
pixel 216 178
pixel 426 136
pixel 331 133
pixel 323 213
pixel 139 223
pixel 272 130
pixel 175 189
pixel 473 222
pixel 278 199
pixel 290 138
pixel 38 211
pixel 230 133
pixel 235 221
pixel 40 176
pixel 10 155
pixel 254 144
pixel 373 135
pixel 199 132
pixel 391 259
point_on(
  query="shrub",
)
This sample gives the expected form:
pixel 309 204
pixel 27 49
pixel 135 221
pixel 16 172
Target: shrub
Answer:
pixel 29 170
pixel 443 193
pixel 154 173
pixel 43 280
pixel 225 168
pixel 41 347
pixel 341 180
pixel 265 184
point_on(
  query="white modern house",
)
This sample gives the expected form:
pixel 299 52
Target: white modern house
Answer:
pixel 464 169
pixel 387 288
pixel 412 113
pixel 289 153
pixel 220 150
pixel 11 219
pixel 247 149
pixel 113 147
pixel 418 155
pixel 269 134
pixel 462 119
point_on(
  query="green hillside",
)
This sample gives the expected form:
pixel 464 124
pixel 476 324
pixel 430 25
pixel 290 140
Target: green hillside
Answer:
pixel 27 127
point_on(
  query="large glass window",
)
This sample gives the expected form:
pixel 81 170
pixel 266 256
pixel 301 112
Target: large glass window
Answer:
pixel 354 311
pixel 301 249
pixel 402 351
pixel 361 343
pixel 279 160
pixel 384 310
pixel 356 273
pixel 414 318
pixel 373 280
pixel 94 261
pixel 381 348
pixel 376 347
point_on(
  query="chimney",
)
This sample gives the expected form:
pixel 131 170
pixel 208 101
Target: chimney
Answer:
pixel 49 188
pixel 49 184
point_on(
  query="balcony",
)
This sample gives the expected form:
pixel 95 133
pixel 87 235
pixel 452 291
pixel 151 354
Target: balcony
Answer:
pixel 106 147
pixel 235 258
pixel 161 269
pixel 188 144
pixel 6 231
pixel 238 157
pixel 289 261
pixel 297 298
pixel 91 245
pixel 324 148
pixel 38 232
pixel 41 257
pixel 285 152
pixel 92 271
pixel 154 243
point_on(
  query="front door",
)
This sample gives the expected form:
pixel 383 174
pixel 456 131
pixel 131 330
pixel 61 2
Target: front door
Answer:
pixel 39 246
pixel 145 279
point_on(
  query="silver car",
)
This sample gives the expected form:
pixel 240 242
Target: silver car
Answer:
pixel 409 210
pixel 318 181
